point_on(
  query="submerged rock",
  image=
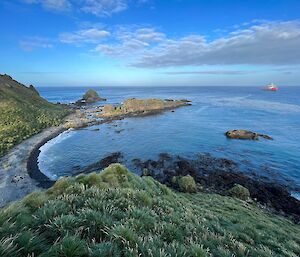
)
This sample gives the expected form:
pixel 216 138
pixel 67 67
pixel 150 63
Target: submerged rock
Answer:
pixel 245 134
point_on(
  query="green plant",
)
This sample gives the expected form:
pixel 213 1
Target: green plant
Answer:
pixel 24 113
pixel 239 191
pixel 137 216
pixel 187 184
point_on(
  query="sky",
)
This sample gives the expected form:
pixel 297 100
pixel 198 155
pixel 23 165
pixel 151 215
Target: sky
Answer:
pixel 151 42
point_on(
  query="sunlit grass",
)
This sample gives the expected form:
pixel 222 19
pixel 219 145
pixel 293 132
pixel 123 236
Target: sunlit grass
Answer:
pixel 24 113
pixel 116 213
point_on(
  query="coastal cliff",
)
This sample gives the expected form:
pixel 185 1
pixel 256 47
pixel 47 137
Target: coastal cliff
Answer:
pixel 23 113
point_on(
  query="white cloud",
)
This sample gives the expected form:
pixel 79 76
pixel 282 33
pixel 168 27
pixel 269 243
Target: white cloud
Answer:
pixel 209 72
pixel 130 41
pixel 95 7
pixel 32 43
pixel 269 43
pixel 56 5
pixel 104 7
pixel 90 35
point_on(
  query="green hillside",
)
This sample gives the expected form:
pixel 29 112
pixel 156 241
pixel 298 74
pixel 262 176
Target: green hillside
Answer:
pixel 23 113
pixel 117 213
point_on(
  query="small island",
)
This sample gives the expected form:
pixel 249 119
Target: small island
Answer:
pixel 91 96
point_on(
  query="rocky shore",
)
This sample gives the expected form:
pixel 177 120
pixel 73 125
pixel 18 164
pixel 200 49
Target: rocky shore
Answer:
pixel 210 175
pixel 20 174
pixel 19 171
pixel 218 175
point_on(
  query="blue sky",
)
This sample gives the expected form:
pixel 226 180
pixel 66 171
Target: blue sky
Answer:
pixel 150 42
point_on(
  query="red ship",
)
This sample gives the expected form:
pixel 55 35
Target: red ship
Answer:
pixel 271 87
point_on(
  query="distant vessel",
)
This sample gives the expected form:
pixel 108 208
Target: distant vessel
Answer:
pixel 271 87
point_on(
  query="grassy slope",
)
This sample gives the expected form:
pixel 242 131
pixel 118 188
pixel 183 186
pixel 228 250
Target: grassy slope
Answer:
pixel 117 213
pixel 23 113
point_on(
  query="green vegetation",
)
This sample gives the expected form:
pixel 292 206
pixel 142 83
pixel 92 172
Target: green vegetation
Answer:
pixel 239 191
pixel 116 213
pixel 141 106
pixel 186 184
pixel 24 113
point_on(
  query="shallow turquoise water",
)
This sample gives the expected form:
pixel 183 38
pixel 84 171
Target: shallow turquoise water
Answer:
pixel 189 130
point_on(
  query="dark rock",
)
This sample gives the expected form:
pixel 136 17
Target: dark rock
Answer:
pixel 32 88
pixel 103 163
pixel 219 175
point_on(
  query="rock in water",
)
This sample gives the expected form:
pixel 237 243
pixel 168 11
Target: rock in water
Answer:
pixel 91 96
pixel 245 134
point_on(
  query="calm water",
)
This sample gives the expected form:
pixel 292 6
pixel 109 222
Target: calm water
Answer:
pixel 188 131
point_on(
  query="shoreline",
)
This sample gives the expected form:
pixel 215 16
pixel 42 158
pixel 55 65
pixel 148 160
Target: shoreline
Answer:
pixel 23 176
pixel 18 177
pixel 19 171
pixel 32 162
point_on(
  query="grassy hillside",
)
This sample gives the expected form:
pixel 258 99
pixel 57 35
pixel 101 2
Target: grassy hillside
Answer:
pixel 117 213
pixel 23 113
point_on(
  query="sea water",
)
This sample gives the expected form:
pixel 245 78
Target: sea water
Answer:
pixel 188 131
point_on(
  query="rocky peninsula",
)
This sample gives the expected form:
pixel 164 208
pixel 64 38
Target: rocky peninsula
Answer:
pixel 141 107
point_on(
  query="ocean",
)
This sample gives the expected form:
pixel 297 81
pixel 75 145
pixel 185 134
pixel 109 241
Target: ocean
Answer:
pixel 188 131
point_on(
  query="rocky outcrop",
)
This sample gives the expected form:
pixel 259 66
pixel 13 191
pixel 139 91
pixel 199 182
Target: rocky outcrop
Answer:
pixel 102 164
pixel 220 175
pixel 245 134
pixel 91 96
pixel 32 88
pixel 141 107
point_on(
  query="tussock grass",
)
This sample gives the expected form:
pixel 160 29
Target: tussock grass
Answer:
pixel 24 113
pixel 116 213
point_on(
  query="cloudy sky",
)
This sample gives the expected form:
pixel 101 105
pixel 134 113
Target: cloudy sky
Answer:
pixel 151 42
